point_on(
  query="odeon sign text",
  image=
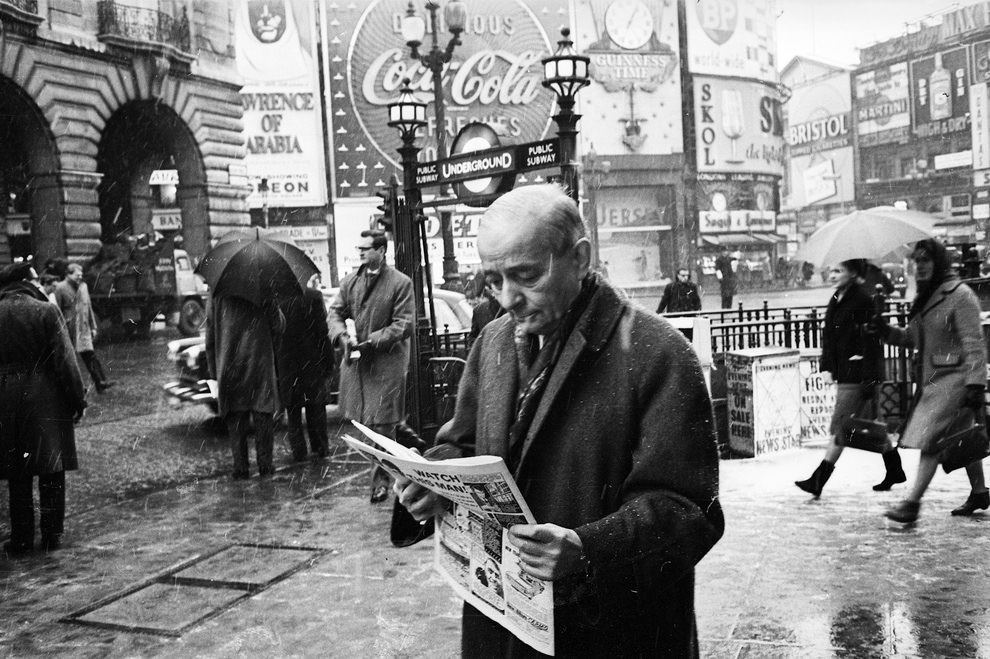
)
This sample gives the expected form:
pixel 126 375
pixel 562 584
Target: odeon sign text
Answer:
pixel 495 76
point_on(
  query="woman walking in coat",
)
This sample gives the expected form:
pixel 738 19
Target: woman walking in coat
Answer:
pixel 855 361
pixel 41 396
pixel 944 330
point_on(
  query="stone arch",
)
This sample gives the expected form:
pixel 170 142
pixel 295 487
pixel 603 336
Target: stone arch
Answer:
pixel 138 138
pixel 29 189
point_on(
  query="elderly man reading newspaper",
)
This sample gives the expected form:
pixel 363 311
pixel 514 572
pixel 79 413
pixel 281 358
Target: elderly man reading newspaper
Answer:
pixel 600 412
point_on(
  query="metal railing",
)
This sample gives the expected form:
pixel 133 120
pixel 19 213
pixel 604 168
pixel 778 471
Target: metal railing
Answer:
pixel 143 25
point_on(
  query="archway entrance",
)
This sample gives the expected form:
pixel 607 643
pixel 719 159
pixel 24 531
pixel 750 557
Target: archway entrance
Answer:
pixel 140 140
pixel 31 214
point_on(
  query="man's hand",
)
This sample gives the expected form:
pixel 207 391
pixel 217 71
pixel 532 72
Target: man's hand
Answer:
pixel 421 503
pixel 548 551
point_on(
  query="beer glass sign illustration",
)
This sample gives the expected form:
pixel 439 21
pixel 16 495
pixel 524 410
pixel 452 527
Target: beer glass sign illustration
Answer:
pixel 733 124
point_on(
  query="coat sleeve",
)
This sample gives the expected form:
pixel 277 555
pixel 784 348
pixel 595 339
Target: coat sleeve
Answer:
pixel 339 312
pixel 966 317
pixel 211 337
pixel 665 300
pixel 401 325
pixel 65 362
pixel 669 516
pixel 696 299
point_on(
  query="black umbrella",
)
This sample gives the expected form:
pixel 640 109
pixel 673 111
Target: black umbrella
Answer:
pixel 256 266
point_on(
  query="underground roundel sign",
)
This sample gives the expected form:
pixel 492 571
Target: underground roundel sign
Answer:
pixel 478 137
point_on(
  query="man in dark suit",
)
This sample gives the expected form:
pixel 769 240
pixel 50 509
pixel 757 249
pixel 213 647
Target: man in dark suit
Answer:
pixel 600 410
pixel 680 295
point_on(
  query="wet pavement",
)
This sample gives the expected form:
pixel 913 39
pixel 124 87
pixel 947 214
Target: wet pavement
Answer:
pixel 300 566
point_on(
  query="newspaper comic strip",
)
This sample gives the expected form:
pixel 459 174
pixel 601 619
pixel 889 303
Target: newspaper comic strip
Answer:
pixel 471 546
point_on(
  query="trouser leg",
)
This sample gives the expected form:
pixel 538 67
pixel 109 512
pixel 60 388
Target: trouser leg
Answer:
pixel 380 480
pixel 237 430
pixel 51 489
pixel 21 511
pixel 264 441
pixel 297 442
pixel 89 359
pixel 316 424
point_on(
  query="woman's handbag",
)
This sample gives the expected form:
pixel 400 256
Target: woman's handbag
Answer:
pixel 862 431
pixel 964 442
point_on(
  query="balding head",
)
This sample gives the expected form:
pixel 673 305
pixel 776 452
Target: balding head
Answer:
pixel 534 254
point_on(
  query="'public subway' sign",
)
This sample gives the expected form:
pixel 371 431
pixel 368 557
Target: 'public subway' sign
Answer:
pixel 495 76
pixel 488 163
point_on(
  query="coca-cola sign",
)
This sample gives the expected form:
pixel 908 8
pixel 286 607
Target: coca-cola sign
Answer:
pixel 494 77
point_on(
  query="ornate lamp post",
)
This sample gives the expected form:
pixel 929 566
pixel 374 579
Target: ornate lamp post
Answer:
pixel 408 115
pixel 414 31
pixel 565 72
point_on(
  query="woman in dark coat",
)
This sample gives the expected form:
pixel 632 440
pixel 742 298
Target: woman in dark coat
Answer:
pixel 41 395
pixel 854 359
pixel 305 364
pixel 944 329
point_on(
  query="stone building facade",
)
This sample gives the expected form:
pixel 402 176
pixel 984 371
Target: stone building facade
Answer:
pixel 99 96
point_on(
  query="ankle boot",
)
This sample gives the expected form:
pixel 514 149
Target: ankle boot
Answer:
pixel 975 501
pixel 895 473
pixel 906 512
pixel 818 479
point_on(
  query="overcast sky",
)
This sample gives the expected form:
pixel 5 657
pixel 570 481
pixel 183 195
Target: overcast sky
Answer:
pixel 833 29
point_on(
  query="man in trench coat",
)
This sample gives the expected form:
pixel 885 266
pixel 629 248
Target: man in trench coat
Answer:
pixel 41 396
pixel 600 410
pixel 379 299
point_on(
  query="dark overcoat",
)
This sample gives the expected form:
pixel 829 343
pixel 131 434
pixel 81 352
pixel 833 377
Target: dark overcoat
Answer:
pixel 240 352
pixel 40 385
pixel 622 450
pixel 849 353
pixel 372 389
pixel 948 337
pixel 680 296
pixel 305 355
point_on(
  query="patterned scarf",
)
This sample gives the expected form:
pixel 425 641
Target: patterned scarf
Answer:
pixel 536 364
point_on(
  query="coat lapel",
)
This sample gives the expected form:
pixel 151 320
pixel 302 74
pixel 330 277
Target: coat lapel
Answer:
pixel 591 332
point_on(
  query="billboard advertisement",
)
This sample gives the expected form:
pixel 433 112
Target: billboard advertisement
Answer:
pixel 739 127
pixel 283 123
pixel 940 93
pixel 732 38
pixel 736 203
pixel 819 142
pixel 883 110
pixel 633 47
pixel 495 76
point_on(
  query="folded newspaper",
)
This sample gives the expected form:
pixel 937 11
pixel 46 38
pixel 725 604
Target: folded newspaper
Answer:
pixel 472 551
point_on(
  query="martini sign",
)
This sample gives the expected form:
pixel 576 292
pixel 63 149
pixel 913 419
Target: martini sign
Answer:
pixel 495 76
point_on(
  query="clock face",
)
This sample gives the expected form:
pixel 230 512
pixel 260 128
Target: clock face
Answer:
pixel 629 23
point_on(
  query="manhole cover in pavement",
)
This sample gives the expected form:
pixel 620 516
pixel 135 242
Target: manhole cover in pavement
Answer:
pixel 173 602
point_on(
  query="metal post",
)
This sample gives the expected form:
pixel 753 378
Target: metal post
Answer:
pixel 566 121
pixel 407 243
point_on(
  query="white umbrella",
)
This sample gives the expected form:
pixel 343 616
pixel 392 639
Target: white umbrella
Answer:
pixel 865 234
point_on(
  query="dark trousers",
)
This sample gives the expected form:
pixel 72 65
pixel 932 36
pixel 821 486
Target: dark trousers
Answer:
pixel 51 492
pixel 316 426
pixel 238 428
pixel 94 366
pixel 379 475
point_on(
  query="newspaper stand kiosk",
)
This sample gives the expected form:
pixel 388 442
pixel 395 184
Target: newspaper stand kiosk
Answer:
pixel 764 400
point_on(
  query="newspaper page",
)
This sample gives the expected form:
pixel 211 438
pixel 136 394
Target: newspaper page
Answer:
pixel 472 551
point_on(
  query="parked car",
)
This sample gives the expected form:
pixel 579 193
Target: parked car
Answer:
pixel 189 354
pixel 895 272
